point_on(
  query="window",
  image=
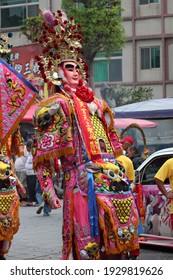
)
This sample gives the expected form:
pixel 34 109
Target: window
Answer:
pixel 152 168
pixel 108 70
pixel 150 58
pixel 79 5
pixel 13 12
pixel 143 2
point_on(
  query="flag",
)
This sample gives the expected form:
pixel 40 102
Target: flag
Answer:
pixel 16 97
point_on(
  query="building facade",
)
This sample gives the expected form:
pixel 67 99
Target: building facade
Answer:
pixel 148 54
pixel 147 58
pixel 13 12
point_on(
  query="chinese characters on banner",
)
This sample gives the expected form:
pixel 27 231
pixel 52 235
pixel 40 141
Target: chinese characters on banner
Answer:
pixel 23 61
pixel 17 95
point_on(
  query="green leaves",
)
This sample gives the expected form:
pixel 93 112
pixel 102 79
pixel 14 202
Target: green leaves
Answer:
pixel 32 28
pixel 101 22
pixel 101 25
pixel 125 95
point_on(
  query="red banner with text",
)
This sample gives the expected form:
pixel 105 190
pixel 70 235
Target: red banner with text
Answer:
pixel 23 61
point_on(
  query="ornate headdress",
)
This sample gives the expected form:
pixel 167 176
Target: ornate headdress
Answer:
pixel 5 47
pixel 61 41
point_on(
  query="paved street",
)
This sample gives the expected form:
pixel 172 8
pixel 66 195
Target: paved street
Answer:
pixel 39 238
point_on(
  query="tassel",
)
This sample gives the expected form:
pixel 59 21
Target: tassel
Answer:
pixel 92 207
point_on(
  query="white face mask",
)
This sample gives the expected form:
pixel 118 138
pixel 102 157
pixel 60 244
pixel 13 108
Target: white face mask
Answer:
pixel 71 73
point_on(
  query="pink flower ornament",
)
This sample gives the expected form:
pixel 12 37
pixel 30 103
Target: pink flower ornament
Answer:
pixel 47 141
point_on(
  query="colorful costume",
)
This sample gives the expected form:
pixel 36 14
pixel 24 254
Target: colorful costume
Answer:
pixel 16 96
pixel 10 188
pixel 99 213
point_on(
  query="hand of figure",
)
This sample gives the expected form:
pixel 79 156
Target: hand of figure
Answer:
pixel 169 195
pixel 23 194
pixel 55 203
pixel 22 191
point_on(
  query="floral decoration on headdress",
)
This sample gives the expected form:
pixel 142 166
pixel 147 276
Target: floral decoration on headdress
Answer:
pixel 61 41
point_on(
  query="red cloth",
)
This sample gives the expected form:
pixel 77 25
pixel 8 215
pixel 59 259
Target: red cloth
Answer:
pixel 171 218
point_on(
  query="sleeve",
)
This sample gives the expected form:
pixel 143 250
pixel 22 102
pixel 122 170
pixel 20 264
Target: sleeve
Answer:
pixel 164 172
pixel 115 142
pixel 128 166
pixel 44 174
pixel 130 172
pixel 113 133
pixel 53 137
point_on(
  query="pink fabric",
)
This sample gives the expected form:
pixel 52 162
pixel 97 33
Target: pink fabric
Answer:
pixel 17 95
pixel 57 140
pixel 76 225
pixel 171 218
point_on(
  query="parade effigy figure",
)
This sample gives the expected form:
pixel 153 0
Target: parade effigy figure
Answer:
pixel 100 218
pixel 10 188
pixel 16 96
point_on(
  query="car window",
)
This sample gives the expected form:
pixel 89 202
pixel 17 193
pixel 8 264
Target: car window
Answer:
pixel 151 169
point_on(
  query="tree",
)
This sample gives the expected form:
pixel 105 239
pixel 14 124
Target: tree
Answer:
pixel 32 28
pixel 101 25
pixel 118 95
pixel 102 28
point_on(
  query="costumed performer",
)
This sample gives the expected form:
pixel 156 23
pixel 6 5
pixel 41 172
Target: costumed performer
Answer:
pixel 100 219
pixel 10 188
pixel 16 96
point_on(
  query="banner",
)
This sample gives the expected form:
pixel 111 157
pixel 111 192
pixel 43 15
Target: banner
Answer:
pixel 16 96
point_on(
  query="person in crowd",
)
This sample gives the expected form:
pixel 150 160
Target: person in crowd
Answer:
pixel 31 176
pixel 42 205
pixel 166 172
pixel 128 166
pixel 127 163
pixel 133 154
pixel 100 218
pixel 19 166
pixel 126 143
pixel 58 184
